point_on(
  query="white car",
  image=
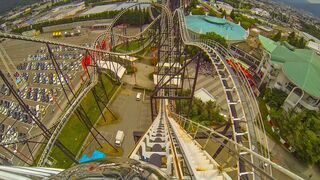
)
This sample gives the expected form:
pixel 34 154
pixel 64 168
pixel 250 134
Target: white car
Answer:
pixel 138 97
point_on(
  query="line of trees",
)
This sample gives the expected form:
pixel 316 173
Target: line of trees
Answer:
pixel 277 37
pixel 87 2
pixel 274 98
pixel 60 3
pixel 311 29
pixel 193 4
pixel 100 2
pixel 296 41
pixel 245 21
pixel 132 17
pixel 292 39
pixel 238 4
pixel 197 11
pixel 135 17
pixel 207 114
pixel 216 37
pixel 301 130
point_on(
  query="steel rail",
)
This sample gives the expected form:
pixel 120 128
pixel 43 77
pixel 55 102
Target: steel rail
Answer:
pixel 239 146
pixel 215 56
pixel 252 105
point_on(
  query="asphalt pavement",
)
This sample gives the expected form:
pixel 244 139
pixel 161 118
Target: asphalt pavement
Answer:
pixel 134 116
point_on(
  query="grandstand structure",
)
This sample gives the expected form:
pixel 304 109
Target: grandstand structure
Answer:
pixel 175 146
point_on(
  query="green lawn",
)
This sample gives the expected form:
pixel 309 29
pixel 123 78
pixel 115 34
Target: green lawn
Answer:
pixel 132 45
pixel 75 132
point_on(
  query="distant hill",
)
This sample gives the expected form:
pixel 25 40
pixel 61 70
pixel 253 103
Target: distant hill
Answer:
pixel 6 5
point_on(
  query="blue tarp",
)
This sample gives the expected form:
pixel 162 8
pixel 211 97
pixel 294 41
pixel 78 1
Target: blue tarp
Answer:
pixel 95 155
pixel 18 80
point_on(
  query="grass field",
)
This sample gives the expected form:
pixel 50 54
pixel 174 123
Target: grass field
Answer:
pixel 75 132
pixel 132 45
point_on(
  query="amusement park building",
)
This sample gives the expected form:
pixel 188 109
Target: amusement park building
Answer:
pixel 295 71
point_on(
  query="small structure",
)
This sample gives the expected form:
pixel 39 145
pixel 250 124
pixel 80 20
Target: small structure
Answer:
pixel 224 6
pixel 100 26
pixel 265 28
pixel 260 12
pixel 204 95
pixel 308 37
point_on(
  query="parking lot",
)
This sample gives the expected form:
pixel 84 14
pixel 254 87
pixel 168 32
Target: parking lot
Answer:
pixel 39 86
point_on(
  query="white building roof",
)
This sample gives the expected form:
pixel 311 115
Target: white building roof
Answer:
pixel 313 45
pixel 204 95
pixel 309 37
pixel 111 7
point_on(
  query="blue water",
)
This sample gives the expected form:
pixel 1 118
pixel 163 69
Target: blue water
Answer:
pixel 95 155
pixel 304 5
pixel 203 24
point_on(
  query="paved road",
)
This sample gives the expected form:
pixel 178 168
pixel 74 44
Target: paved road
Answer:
pixel 142 74
pixel 284 158
pixel 134 116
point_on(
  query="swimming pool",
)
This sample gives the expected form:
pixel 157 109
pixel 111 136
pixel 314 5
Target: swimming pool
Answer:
pixel 203 24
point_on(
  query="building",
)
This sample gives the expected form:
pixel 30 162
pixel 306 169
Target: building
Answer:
pixel 308 37
pixel 100 26
pixel 4 26
pixel 296 72
pixel 112 7
pixel 224 6
pixel 260 12
pixel 62 12
pixel 313 45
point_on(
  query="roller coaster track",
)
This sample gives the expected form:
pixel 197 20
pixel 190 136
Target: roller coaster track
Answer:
pixel 255 122
pixel 62 122
pixel 242 109
pixel 75 103
pixel 240 131
pixel 116 19
pixel 73 106
pixel 182 121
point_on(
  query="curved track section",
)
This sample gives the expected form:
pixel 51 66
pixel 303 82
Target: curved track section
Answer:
pixel 74 105
pixel 243 110
pixel 236 110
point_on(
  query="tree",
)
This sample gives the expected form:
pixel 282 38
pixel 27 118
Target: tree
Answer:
pixel 300 129
pixel 224 13
pixel 291 36
pixel 197 11
pixel 296 41
pixel 232 15
pixel 216 37
pixel 204 113
pixel 275 98
pixel 194 3
pixel 311 29
pixel 277 37
pixel 132 17
pixel 301 43
pixel 213 13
